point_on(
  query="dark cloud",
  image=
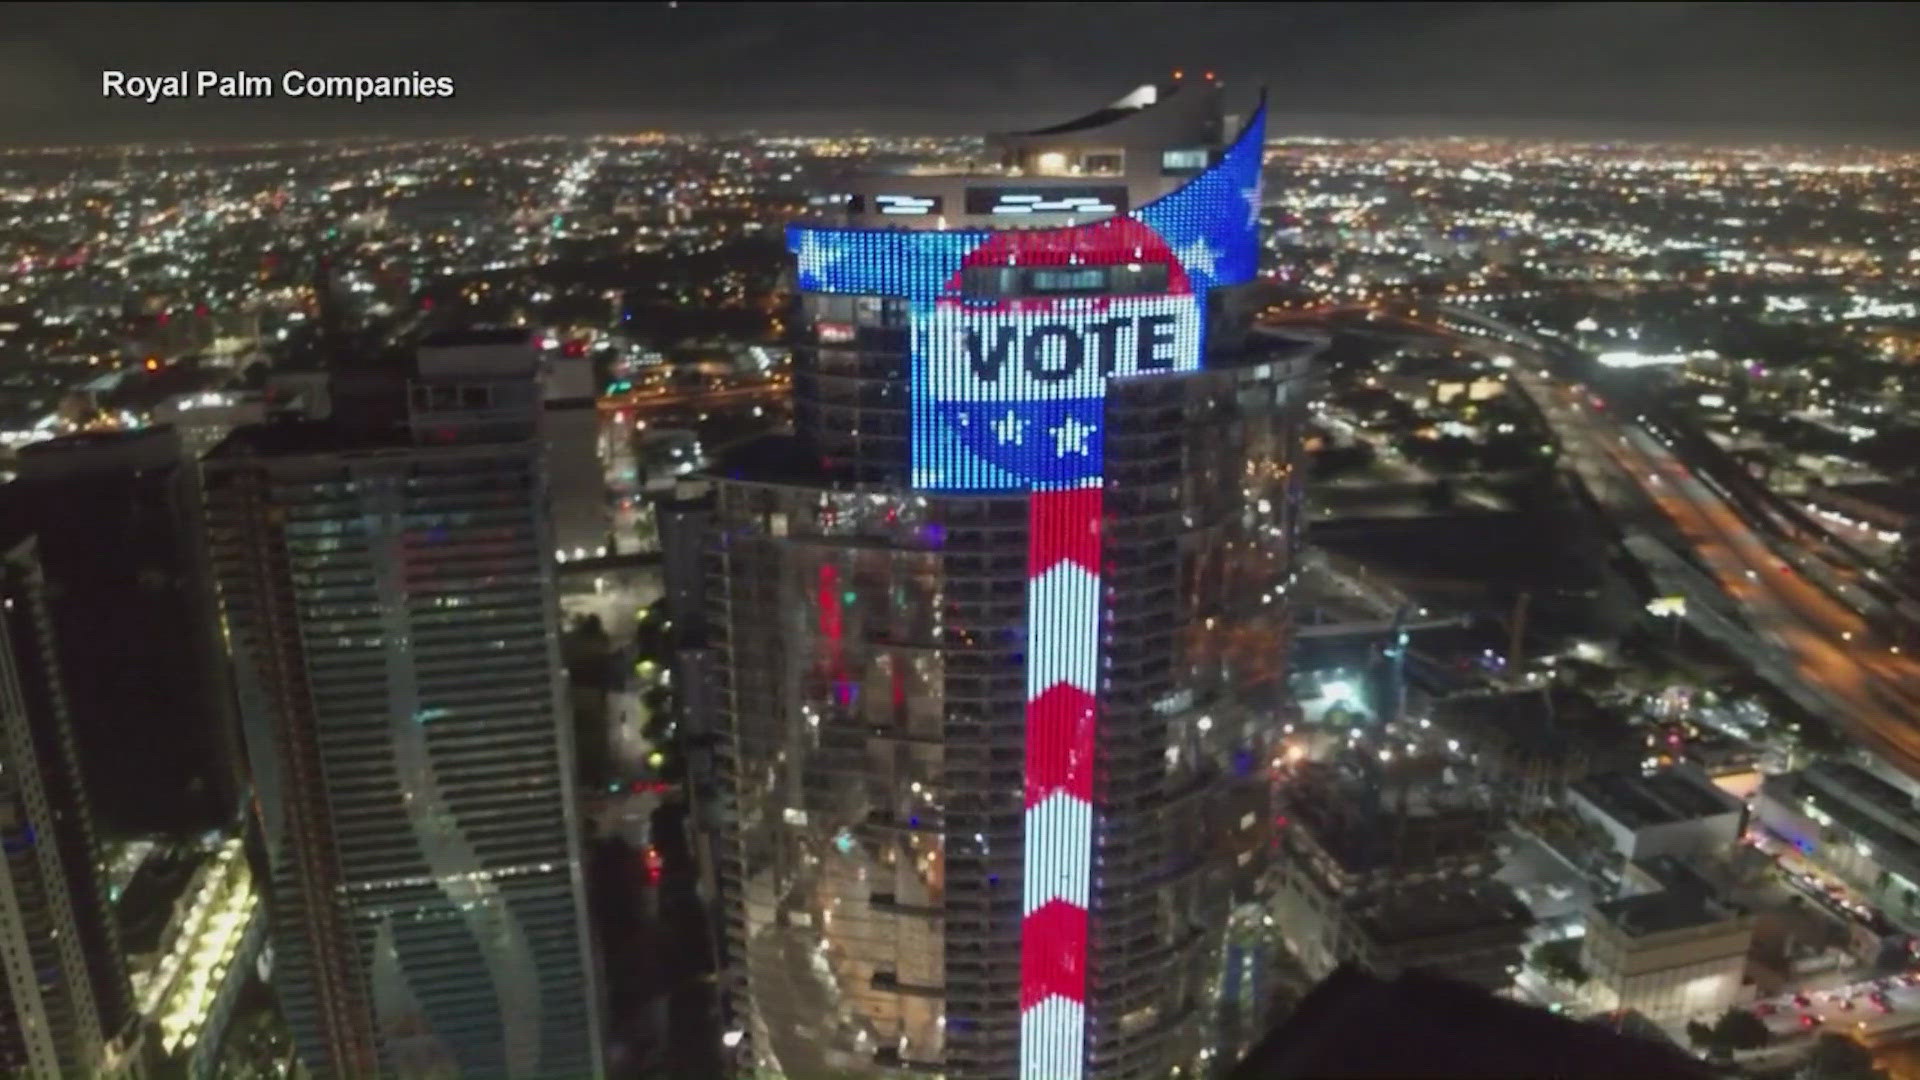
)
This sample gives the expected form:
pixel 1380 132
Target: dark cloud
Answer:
pixel 1785 68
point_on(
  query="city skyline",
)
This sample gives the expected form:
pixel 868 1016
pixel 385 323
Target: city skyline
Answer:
pixel 1797 72
pixel 1112 582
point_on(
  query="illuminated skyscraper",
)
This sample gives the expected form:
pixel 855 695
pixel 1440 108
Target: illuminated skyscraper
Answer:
pixel 386 579
pixel 997 636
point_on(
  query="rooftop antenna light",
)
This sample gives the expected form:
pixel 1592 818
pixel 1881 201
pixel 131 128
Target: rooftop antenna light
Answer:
pixel 1178 74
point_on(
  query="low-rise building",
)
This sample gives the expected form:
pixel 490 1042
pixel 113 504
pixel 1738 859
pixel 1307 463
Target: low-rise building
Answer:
pixel 1674 952
pixel 1676 811
pixel 1851 823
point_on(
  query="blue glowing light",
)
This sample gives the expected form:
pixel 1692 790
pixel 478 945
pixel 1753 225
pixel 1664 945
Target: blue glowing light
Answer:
pixel 1219 207
pixel 1009 394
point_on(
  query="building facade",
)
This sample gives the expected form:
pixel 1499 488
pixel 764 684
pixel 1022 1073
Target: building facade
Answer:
pixel 1393 878
pixel 997 635
pixel 570 428
pixel 65 1004
pixel 119 520
pixel 1676 811
pixel 387 583
pixel 203 419
pixel 1851 823
pixel 1671 954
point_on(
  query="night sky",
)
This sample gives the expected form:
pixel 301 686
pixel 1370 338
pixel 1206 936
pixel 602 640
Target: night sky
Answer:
pixel 1824 72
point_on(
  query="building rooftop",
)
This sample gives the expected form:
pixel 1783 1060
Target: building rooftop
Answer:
pixel 90 440
pixel 1145 97
pixel 1665 798
pixel 1678 908
pixel 1555 722
pixel 467 338
pixel 290 438
pixel 100 452
pixel 772 459
pixel 148 906
pixel 1365 825
pixel 1897 498
pixel 1411 915
pixel 1672 872
pixel 1862 785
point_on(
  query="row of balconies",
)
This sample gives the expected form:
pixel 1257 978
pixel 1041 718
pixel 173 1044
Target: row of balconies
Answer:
pixel 852 364
pixel 850 391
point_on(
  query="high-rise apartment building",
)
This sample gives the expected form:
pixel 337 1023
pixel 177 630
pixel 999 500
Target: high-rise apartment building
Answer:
pixel 65 1004
pixel 387 583
pixel 118 517
pixel 998 634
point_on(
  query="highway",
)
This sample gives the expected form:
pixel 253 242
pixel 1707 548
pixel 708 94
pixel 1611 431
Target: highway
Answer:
pixel 1797 626
pixel 1826 640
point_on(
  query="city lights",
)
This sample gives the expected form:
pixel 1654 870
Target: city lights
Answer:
pixel 1021 605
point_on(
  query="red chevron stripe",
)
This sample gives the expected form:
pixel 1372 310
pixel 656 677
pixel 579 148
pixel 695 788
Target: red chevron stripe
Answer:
pixel 1060 724
pixel 1053 951
pixel 1061 720
pixel 1065 525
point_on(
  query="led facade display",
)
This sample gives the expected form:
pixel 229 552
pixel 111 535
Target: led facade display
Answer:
pixel 1209 223
pixel 1008 394
pixel 1063 659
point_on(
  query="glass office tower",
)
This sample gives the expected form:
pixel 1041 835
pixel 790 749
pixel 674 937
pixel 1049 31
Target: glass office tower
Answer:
pixel 996 637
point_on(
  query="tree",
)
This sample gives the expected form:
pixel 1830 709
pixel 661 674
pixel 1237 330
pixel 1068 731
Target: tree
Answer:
pixel 662 708
pixel 584 649
pixel 651 640
pixel 1836 1057
pixel 1740 1030
pixel 1560 961
pixel 1699 1034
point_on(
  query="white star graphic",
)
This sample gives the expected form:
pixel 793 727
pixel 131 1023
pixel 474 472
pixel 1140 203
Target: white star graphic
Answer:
pixel 1252 195
pixel 1071 437
pixel 814 257
pixel 1197 256
pixel 1010 429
